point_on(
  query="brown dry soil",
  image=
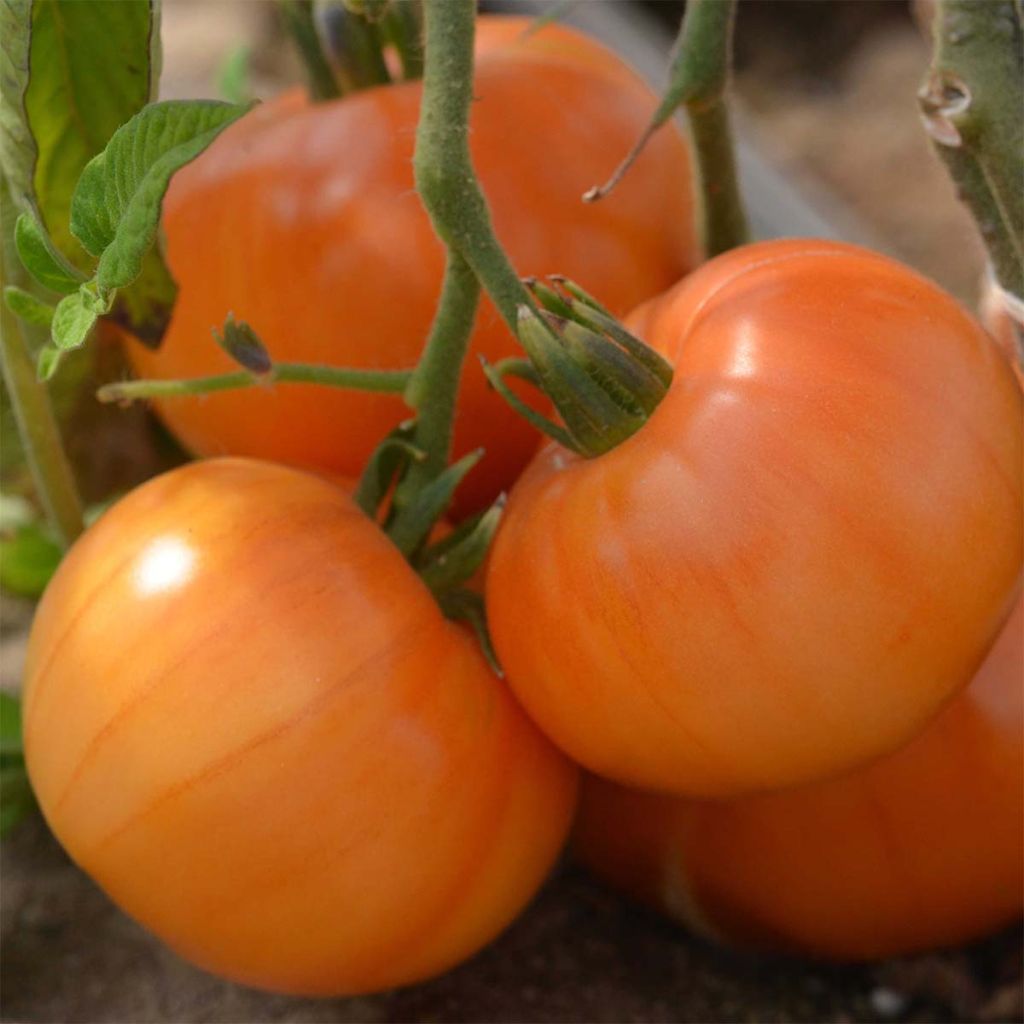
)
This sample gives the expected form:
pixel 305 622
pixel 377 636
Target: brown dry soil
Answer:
pixel 830 86
pixel 578 954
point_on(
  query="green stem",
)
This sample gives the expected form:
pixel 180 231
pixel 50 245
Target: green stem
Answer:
pixel 298 20
pixel 434 385
pixel 723 219
pixel 699 80
pixel 971 102
pixel 354 43
pixel 393 381
pixel 445 178
pixel 51 472
pixel 403 28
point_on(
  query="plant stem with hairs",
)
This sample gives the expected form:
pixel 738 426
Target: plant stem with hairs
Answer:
pixel 972 100
pixel 699 80
pixel 40 435
pixel 357 379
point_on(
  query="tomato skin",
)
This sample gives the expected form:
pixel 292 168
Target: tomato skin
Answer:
pixel 304 222
pixel 798 559
pixel 247 720
pixel 921 849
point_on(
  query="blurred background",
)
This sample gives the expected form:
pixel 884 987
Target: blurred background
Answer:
pixel 830 145
pixel 825 92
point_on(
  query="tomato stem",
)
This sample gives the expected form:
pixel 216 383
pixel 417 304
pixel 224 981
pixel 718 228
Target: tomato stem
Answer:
pixel 40 435
pixel 297 16
pixel 971 102
pixel 394 381
pixel 434 385
pixel 402 27
pixel 699 80
pixel 445 179
pixel 353 42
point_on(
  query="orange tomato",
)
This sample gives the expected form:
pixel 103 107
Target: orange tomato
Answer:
pixel 798 559
pixel 923 848
pixel 303 221
pixel 247 720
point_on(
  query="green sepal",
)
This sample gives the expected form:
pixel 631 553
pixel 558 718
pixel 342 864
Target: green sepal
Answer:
pixel 453 560
pixel 631 384
pixel 386 464
pixel 548 298
pixel 496 374
pixel 585 309
pixel 412 526
pixel 468 606
pixel 592 416
pixel 604 381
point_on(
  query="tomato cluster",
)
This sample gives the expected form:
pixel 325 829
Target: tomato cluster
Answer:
pixel 754 621
pixel 317 195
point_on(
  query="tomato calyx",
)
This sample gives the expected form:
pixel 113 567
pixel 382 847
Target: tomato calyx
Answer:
pixel 445 563
pixel 604 381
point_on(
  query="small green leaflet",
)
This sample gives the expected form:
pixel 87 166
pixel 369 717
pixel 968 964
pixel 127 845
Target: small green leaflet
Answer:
pixel 42 260
pixel 28 558
pixel 10 725
pixel 16 798
pixel 116 206
pixel 27 307
pixel 115 211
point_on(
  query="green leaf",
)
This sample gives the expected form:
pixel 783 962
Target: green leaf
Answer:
pixel 10 726
pixel 25 306
pixel 73 319
pixel 93 64
pixel 48 361
pixel 27 561
pixel 16 799
pixel 115 210
pixel 39 257
pixel 17 147
pixel 233 77
pixel 144 307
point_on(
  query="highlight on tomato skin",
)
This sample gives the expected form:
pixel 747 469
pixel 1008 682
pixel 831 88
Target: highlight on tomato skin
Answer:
pixel 923 848
pixel 246 718
pixel 303 221
pixel 800 557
